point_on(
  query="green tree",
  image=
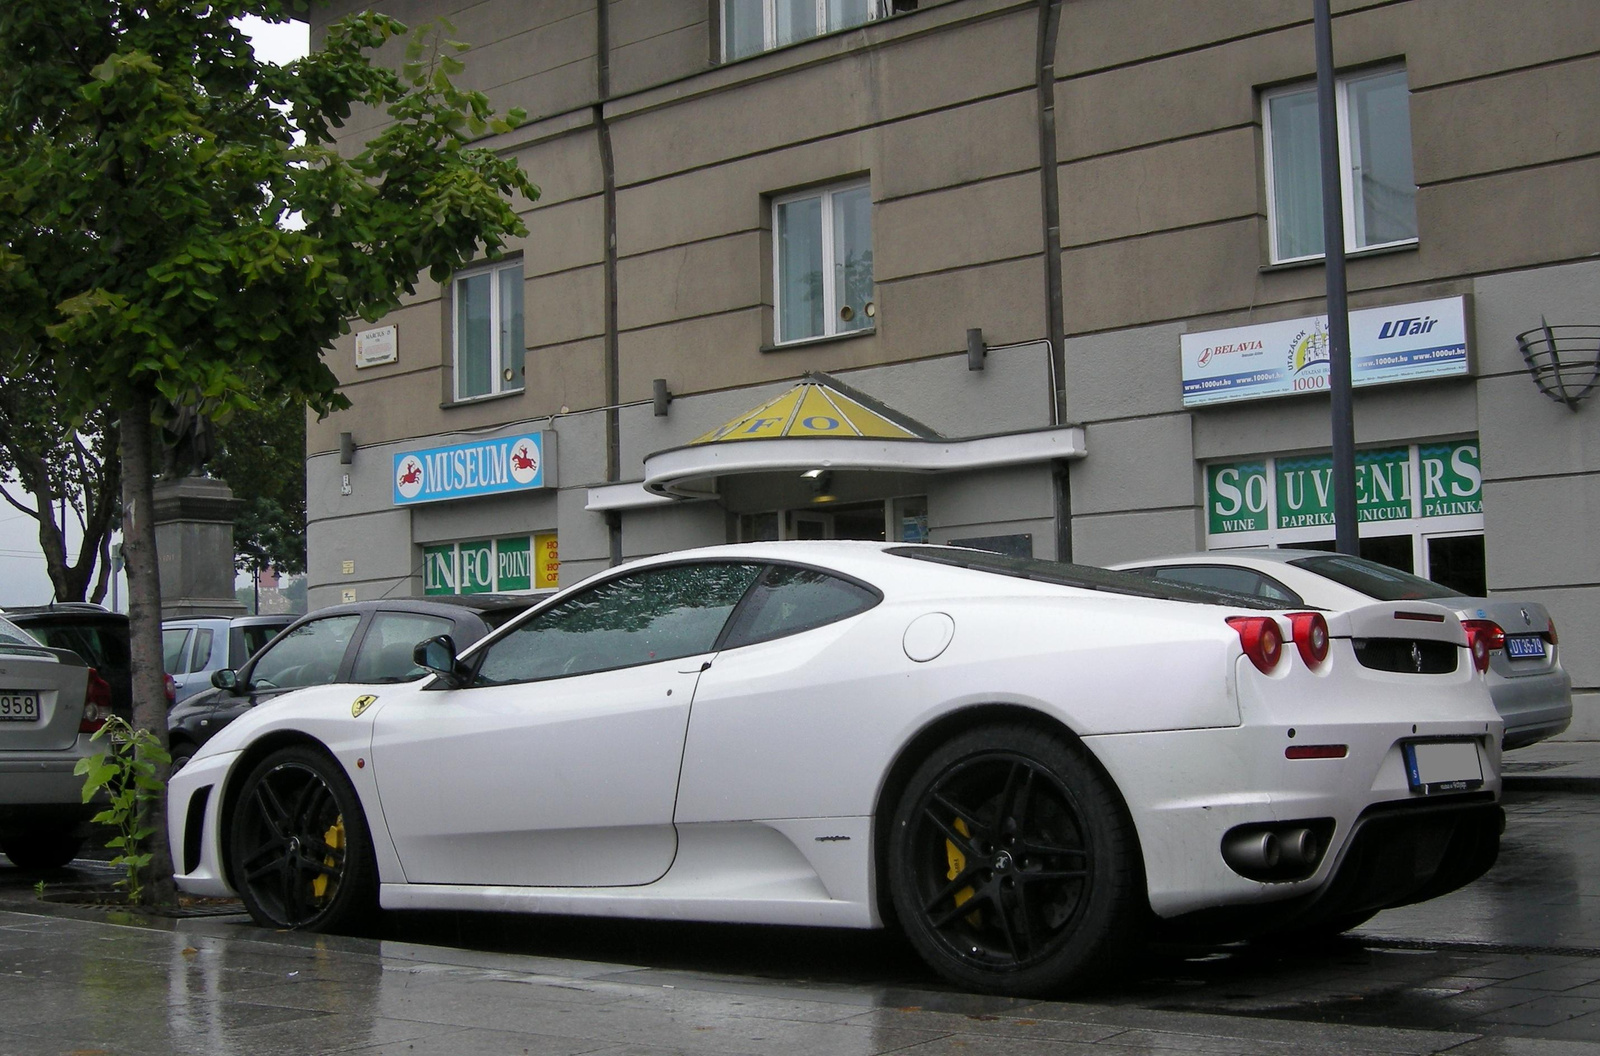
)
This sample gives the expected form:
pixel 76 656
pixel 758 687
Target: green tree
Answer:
pixel 261 456
pixel 177 219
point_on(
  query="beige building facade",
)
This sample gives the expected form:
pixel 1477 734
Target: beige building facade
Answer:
pixel 1039 276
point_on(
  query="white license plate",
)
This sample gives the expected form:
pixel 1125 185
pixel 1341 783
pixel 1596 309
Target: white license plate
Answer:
pixel 17 706
pixel 1443 766
pixel 1524 646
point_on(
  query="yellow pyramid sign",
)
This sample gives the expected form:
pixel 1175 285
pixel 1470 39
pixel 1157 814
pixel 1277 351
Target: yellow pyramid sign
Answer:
pixel 810 409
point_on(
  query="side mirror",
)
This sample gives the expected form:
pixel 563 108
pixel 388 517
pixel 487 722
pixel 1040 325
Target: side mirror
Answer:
pixel 227 679
pixel 439 656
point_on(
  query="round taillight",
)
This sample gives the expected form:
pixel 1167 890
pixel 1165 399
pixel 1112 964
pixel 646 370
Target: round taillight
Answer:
pixel 1310 636
pixel 1261 639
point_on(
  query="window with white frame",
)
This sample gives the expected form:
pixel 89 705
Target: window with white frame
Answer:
pixel 488 331
pixel 750 27
pixel 822 262
pixel 1374 116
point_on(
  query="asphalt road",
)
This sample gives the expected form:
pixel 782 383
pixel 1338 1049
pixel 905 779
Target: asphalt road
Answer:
pixel 1514 956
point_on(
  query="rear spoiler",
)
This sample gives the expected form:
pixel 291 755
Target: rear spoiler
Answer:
pixel 1399 619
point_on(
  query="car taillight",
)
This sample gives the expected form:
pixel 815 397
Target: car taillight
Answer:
pixel 171 685
pixel 1310 636
pixel 1262 640
pixel 96 703
pixel 1550 635
pixel 1483 637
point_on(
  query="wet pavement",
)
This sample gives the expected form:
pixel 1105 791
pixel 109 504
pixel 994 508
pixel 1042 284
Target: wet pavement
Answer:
pixel 1509 965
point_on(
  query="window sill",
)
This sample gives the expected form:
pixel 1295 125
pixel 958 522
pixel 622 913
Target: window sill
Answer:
pixel 1350 254
pixel 812 342
pixel 473 401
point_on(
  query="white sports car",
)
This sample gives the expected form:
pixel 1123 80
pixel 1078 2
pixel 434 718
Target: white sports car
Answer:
pixel 1021 764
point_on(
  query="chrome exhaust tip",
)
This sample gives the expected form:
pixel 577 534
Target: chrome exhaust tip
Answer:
pixel 1252 852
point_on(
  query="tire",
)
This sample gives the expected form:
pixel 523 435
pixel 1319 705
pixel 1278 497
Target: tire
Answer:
pixel 1013 866
pixel 38 851
pixel 300 854
pixel 182 752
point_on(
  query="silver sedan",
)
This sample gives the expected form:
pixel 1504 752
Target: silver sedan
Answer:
pixel 1531 690
pixel 50 705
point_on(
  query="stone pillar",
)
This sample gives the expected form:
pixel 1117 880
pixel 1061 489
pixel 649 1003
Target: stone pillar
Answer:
pixel 194 545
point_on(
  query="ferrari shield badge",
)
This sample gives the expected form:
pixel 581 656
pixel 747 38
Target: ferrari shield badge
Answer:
pixel 363 702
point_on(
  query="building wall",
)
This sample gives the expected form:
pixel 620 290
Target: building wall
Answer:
pixel 1162 232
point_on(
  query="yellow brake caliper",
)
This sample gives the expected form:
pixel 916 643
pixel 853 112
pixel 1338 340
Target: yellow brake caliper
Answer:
pixel 958 862
pixel 334 838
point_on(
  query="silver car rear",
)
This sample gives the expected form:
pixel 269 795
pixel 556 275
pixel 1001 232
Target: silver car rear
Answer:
pixel 43 693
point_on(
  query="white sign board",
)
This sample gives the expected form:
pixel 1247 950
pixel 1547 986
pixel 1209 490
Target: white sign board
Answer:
pixel 1405 342
pixel 377 346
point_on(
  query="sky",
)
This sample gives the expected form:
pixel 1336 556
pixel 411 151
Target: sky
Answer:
pixel 22 568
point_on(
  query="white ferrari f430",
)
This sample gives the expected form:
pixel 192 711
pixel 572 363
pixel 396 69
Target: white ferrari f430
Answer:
pixel 1025 766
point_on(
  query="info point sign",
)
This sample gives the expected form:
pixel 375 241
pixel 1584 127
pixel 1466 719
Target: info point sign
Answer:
pixel 1406 342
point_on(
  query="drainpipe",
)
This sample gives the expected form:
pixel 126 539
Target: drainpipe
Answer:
pixel 1050 210
pixel 612 368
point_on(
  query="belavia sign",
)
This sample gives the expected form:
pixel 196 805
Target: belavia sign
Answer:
pixel 483 467
pixel 1405 342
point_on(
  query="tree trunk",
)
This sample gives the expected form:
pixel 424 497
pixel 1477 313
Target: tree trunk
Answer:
pixel 144 621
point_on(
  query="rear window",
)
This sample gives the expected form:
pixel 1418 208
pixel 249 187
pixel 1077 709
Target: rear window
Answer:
pixel 1372 579
pixel 1085 577
pixel 11 634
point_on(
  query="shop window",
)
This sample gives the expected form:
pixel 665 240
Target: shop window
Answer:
pixel 750 27
pixel 1380 192
pixel 489 338
pixel 822 262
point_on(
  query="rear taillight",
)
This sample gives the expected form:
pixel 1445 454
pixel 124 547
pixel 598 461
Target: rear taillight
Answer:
pixel 1483 638
pixel 1550 635
pixel 171 685
pixel 1262 640
pixel 96 703
pixel 1310 636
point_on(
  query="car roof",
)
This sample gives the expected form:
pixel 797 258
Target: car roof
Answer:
pixel 279 619
pixel 439 604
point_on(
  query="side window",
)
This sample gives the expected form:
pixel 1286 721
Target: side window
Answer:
pixel 385 653
pixel 789 600
pixel 656 614
pixel 307 656
pixel 172 643
pixel 200 655
pixel 1231 579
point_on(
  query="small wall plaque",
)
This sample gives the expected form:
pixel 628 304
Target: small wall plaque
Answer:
pixel 374 347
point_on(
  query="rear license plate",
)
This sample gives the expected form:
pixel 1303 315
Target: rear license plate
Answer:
pixel 16 706
pixel 1443 766
pixel 1524 646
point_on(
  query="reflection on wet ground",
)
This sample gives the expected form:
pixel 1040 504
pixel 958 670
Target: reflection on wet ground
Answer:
pixel 1516 954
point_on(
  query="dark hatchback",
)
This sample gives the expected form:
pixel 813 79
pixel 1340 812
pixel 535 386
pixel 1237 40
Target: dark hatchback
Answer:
pixel 364 642
pixel 95 633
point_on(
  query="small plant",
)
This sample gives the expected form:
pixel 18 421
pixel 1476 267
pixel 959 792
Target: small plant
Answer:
pixel 128 770
pixel 38 889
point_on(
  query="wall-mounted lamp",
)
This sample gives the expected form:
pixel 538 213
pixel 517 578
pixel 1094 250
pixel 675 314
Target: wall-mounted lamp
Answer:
pixel 821 484
pixel 347 449
pixel 977 351
pixel 660 397
pixel 1564 360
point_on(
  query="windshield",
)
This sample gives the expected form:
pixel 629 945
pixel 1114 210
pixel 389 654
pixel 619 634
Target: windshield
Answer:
pixel 1372 579
pixel 1086 577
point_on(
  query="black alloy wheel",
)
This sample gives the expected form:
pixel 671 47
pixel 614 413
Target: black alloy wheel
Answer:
pixel 1013 867
pixel 300 854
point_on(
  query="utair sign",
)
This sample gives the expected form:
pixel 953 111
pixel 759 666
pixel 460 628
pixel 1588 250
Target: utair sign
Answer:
pixel 483 467
pixel 1406 342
